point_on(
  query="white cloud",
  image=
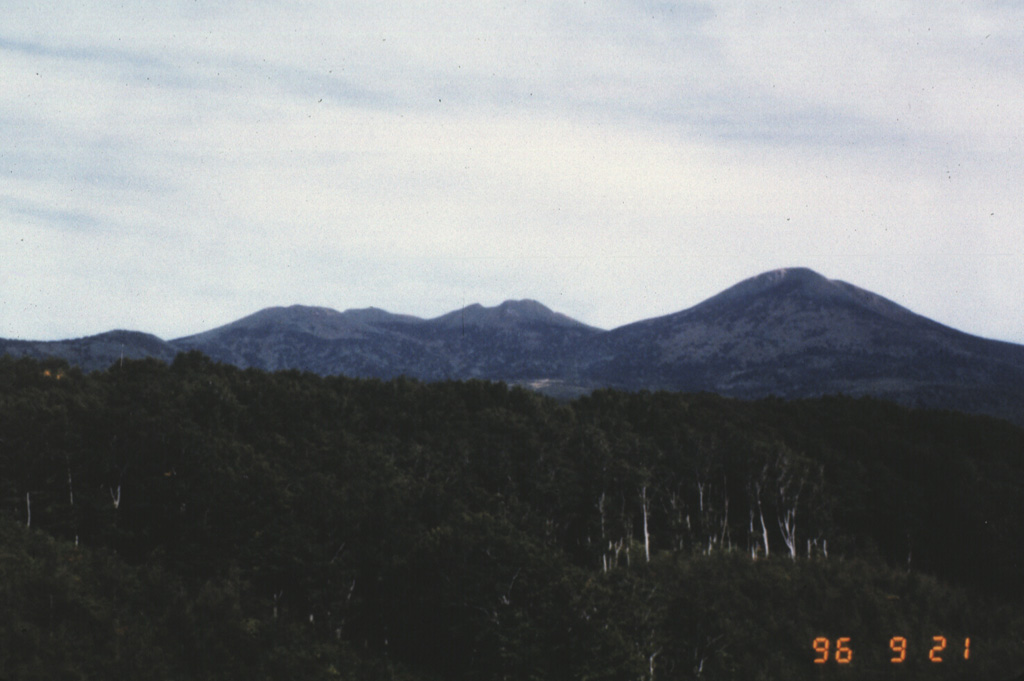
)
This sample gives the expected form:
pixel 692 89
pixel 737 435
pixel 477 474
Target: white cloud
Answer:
pixel 185 165
pixel 934 69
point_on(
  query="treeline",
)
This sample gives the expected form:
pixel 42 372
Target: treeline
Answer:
pixel 199 521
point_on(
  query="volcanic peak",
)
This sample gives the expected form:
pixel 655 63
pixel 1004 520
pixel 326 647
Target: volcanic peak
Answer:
pixel 508 313
pixel 805 284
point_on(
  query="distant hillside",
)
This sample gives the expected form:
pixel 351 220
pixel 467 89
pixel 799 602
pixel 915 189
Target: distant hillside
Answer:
pixel 791 333
pixel 94 353
pixel 512 341
pixel 794 333
pixel 367 343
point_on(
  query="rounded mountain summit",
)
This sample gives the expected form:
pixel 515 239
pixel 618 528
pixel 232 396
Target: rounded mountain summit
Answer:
pixel 794 333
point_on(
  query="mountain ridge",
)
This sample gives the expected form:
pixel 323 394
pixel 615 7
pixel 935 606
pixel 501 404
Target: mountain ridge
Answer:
pixel 788 332
pixel 809 283
pixel 507 313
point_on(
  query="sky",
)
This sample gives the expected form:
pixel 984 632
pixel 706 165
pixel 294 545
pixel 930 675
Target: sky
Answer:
pixel 171 167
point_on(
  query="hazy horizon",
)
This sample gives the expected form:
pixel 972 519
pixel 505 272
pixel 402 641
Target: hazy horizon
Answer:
pixel 170 168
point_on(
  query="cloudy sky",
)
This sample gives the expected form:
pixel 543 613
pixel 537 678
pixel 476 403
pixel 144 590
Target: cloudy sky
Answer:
pixel 173 166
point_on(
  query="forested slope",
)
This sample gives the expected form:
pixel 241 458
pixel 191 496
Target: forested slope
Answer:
pixel 199 521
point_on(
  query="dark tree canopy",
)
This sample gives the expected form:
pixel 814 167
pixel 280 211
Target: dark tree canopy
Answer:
pixel 199 521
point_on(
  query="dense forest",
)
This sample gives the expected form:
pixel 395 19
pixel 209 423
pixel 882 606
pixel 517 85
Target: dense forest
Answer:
pixel 193 520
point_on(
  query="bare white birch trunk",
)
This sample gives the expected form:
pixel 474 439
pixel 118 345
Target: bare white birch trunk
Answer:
pixel 764 531
pixel 787 525
pixel 647 512
pixel 760 513
pixel 650 664
pixel 750 533
pixel 725 518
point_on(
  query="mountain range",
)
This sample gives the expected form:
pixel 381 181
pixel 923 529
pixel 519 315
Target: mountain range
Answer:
pixel 789 333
